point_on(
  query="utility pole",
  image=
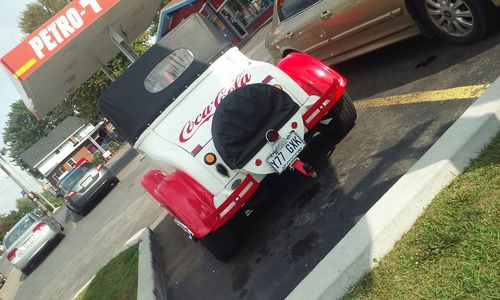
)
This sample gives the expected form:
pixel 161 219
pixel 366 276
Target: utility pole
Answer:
pixel 14 176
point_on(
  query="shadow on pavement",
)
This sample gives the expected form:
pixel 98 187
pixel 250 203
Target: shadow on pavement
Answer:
pixel 117 164
pixel 419 58
pixel 297 222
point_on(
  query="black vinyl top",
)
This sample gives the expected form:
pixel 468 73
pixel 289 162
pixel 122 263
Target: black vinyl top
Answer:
pixel 241 121
pixel 127 103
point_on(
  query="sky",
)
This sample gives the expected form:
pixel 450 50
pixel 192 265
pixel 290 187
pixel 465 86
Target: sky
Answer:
pixel 10 36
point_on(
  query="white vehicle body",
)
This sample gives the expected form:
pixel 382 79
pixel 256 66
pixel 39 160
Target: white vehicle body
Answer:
pixel 168 143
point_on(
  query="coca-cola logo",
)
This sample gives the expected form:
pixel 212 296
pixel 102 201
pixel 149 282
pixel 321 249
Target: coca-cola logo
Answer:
pixel 190 128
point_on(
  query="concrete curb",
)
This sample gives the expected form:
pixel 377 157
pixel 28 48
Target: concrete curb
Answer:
pixel 151 281
pixel 375 234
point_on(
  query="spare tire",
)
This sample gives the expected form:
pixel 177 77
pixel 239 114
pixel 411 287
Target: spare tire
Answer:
pixel 244 116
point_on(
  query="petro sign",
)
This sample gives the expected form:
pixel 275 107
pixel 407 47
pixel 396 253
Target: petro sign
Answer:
pixel 53 35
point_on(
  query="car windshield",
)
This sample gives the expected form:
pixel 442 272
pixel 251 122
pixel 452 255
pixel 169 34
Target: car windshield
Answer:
pixel 19 229
pixel 289 8
pixel 73 176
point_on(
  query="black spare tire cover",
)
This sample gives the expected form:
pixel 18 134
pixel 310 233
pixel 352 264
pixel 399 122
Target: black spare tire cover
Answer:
pixel 244 116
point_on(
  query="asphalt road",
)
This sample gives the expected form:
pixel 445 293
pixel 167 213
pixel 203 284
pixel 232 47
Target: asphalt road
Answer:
pixel 91 241
pixel 301 219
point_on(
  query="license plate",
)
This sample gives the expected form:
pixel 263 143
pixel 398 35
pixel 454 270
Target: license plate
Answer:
pixel 29 242
pixel 285 152
pixel 87 181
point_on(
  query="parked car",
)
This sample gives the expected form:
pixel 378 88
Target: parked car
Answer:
pixel 86 184
pixel 3 279
pixel 334 31
pixel 29 237
pixel 195 104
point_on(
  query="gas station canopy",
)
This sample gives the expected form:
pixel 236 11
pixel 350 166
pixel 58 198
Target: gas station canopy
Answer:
pixel 73 45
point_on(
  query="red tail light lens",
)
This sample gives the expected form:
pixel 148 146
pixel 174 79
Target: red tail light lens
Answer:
pixel 39 226
pixel 99 167
pixel 12 254
pixel 272 135
pixel 70 195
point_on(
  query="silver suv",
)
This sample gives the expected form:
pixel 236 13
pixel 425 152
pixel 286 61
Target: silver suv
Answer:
pixel 85 185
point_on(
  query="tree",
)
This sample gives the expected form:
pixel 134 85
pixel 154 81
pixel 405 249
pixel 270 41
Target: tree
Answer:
pixel 25 205
pixel 154 27
pixel 7 221
pixel 22 130
pixel 37 13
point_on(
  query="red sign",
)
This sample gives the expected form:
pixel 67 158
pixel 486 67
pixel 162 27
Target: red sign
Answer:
pixel 53 35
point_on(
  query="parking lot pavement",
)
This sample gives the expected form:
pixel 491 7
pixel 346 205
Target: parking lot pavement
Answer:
pixel 301 219
pixel 94 239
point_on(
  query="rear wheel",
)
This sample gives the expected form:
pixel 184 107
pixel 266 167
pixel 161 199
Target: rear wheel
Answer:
pixel 458 21
pixel 222 243
pixel 72 209
pixel 343 117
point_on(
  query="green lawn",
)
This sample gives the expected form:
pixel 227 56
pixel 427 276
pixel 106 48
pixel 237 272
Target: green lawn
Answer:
pixel 117 280
pixel 453 250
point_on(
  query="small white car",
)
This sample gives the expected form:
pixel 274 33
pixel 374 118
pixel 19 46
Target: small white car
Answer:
pixel 29 237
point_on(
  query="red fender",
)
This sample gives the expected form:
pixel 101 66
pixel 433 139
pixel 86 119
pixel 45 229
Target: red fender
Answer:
pixel 183 197
pixel 189 202
pixel 315 78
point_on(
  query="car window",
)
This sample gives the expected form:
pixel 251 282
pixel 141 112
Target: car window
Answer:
pixel 168 70
pixel 289 8
pixel 19 229
pixel 73 176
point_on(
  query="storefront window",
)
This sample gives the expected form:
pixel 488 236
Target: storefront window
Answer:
pixel 246 11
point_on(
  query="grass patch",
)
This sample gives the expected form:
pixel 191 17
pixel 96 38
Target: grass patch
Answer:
pixel 117 280
pixel 453 250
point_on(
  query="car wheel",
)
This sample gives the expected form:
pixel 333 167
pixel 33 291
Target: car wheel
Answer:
pixel 73 210
pixel 222 243
pixel 115 181
pixel 343 117
pixel 458 21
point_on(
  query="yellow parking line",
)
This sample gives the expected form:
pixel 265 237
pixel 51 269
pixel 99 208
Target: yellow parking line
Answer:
pixel 464 92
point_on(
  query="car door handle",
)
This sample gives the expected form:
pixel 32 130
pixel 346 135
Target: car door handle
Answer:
pixel 325 15
pixel 289 35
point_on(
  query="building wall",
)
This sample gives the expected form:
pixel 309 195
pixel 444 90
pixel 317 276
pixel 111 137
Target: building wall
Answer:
pixel 64 150
pixel 63 167
pixel 185 12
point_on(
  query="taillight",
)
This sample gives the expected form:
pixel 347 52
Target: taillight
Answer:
pixel 39 226
pixel 12 254
pixel 99 167
pixel 70 195
pixel 272 135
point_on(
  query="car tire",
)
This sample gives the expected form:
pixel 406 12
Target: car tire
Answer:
pixel 222 243
pixel 343 118
pixel 477 19
pixel 73 210
pixel 115 181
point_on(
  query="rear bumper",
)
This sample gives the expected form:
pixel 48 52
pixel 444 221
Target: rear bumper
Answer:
pixel 233 203
pixel 98 189
pixel 35 250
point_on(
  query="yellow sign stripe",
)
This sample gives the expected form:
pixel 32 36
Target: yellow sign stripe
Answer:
pixel 465 92
pixel 26 67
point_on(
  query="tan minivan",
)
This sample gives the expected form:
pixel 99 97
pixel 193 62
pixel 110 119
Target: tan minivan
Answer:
pixel 337 30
